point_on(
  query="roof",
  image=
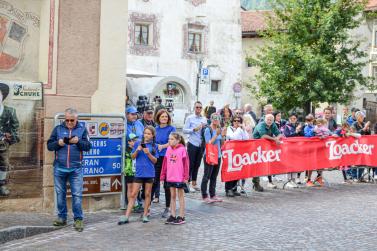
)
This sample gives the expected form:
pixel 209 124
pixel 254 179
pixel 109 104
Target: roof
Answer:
pixel 371 5
pixel 253 21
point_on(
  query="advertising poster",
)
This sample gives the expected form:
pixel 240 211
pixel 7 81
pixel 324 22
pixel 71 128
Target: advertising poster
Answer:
pixel 21 141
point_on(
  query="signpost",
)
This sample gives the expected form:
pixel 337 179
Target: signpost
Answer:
pixel 204 76
pixel 102 165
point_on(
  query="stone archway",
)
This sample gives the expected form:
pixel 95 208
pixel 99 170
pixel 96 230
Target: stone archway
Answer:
pixel 182 97
pixel 182 86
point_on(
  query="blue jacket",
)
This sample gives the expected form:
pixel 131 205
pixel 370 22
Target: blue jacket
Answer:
pixel 351 120
pixel 290 130
pixel 136 128
pixel 68 156
pixel 309 131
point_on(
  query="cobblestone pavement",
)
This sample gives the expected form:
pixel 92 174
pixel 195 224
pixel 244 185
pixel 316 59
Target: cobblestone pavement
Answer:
pixel 335 217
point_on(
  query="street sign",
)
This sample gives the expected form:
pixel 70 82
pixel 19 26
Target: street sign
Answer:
pixel 104 158
pixel 205 73
pixel 102 165
pixel 100 185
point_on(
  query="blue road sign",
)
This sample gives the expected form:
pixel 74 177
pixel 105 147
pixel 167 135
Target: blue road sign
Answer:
pixel 205 72
pixel 104 158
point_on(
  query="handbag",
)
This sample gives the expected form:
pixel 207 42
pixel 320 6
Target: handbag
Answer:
pixel 212 154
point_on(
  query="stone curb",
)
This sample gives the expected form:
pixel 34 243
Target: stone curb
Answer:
pixel 19 232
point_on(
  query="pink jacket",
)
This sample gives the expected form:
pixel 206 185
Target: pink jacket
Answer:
pixel 175 167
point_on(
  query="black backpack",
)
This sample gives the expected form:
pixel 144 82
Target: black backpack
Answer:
pixel 202 134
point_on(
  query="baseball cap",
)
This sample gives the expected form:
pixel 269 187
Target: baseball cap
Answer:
pixel 148 108
pixel 131 109
pixel 132 136
pixel 215 116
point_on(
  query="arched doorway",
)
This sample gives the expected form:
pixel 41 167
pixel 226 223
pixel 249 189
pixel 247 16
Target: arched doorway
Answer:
pixel 178 90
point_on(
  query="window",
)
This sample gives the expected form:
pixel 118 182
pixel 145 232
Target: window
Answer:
pixel 195 42
pixel 141 34
pixel 215 85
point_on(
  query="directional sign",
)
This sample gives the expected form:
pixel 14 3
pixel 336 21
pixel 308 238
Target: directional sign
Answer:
pixel 100 185
pixel 104 158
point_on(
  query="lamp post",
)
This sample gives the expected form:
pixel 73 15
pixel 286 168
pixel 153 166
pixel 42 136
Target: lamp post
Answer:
pixel 200 65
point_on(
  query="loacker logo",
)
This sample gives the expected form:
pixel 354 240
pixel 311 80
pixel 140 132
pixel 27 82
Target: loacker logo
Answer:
pixel 338 150
pixel 237 161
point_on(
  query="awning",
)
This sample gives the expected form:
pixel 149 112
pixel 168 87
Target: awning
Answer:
pixel 132 73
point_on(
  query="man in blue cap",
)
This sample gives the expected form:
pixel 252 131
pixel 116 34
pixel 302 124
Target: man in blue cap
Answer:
pixel 133 125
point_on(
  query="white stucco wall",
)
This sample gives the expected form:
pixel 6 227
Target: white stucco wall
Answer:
pixel 224 49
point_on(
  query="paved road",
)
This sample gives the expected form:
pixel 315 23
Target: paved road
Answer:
pixel 337 217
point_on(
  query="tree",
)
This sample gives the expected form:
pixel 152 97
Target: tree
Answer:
pixel 311 58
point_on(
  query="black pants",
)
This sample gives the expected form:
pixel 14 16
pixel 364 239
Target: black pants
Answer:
pixel 210 175
pixel 156 182
pixel 231 185
pixel 195 154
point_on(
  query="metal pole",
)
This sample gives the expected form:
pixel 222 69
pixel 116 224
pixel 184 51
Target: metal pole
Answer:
pixel 198 79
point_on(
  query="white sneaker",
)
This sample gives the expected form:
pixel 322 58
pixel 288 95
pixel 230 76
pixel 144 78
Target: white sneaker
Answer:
pixel 271 185
pixel 291 184
pixel 264 178
pixel 192 190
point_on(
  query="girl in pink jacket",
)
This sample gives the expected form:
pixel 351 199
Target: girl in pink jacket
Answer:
pixel 175 171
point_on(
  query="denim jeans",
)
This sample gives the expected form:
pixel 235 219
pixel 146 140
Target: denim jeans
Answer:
pixel 75 179
pixel 357 172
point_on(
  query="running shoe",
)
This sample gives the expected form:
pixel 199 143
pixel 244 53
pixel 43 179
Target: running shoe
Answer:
pixel 179 221
pixel 319 181
pixel 207 200
pixel 309 183
pixel 145 219
pixel 216 199
pixel 196 188
pixel 170 220
pixel 123 220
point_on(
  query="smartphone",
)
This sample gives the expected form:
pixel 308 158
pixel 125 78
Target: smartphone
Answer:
pixel 66 140
pixel 143 145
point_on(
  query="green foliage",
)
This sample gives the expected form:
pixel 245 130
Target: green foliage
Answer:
pixel 311 57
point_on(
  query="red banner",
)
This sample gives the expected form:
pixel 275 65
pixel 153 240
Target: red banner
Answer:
pixel 261 157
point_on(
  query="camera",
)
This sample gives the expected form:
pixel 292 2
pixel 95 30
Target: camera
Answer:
pixel 143 145
pixel 141 103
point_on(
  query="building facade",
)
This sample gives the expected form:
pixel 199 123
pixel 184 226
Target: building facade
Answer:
pixel 66 54
pixel 171 45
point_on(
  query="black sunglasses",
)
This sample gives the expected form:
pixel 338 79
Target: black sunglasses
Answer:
pixel 199 107
pixel 237 120
pixel 69 120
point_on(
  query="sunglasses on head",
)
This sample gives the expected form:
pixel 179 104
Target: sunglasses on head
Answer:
pixel 69 120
